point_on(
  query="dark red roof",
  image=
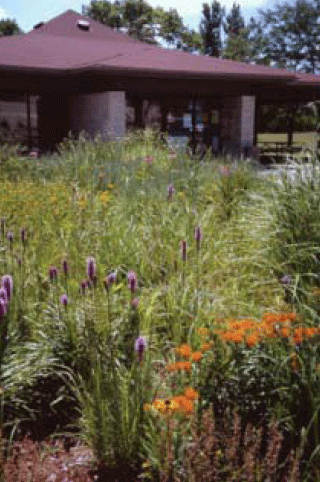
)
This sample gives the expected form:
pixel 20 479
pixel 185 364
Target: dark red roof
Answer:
pixel 60 45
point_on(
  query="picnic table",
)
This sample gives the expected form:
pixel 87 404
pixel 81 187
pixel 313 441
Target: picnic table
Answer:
pixel 280 152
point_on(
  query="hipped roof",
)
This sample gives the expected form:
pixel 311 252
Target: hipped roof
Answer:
pixel 60 46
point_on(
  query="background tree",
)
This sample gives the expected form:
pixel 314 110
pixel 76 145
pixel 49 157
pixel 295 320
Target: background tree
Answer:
pixel 148 24
pixel 9 27
pixel 293 34
pixel 237 45
pixel 210 28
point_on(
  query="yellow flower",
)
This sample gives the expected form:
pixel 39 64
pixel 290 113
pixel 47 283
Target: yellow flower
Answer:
pixel 104 197
pixel 203 331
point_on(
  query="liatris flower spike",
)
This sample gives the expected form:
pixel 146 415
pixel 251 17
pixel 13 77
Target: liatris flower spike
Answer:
pixel 3 308
pixel 170 191
pixel 65 267
pixel 10 236
pixel 3 295
pixel 110 279
pixel 83 287
pixel 140 346
pixel 53 273
pixel 91 268
pixel 132 279
pixel 7 284
pixel 23 235
pixel 183 246
pixel 135 303
pixel 198 237
pixel 64 300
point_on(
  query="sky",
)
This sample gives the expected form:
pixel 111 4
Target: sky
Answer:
pixel 27 13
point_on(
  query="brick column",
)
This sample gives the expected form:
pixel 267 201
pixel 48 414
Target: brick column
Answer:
pixel 102 113
pixel 237 124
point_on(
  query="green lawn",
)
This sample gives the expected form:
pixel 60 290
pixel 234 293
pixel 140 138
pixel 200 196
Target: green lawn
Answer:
pixel 298 137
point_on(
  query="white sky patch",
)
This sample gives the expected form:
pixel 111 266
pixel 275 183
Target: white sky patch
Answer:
pixel 188 8
pixel 3 13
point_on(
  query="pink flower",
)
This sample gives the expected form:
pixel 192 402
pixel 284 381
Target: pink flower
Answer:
pixel 148 160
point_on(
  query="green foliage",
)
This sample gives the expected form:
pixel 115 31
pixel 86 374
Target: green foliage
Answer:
pixel 210 28
pixel 142 21
pixel 9 27
pixel 292 34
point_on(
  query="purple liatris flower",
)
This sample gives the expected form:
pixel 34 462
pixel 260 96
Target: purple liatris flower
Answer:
pixel 7 284
pixel 23 235
pixel 170 191
pixel 3 295
pixel 140 346
pixel 91 268
pixel 183 247
pixel 10 236
pixel 110 279
pixel 64 300
pixel 135 303
pixel 286 279
pixel 132 279
pixel 198 237
pixel 65 267
pixel 53 273
pixel 83 287
pixel 3 308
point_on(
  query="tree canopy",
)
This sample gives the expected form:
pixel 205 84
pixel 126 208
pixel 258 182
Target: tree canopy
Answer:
pixel 9 27
pixel 142 21
pixel 292 31
pixel 210 28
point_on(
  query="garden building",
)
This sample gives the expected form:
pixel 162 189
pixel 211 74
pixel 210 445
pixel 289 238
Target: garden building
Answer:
pixel 72 74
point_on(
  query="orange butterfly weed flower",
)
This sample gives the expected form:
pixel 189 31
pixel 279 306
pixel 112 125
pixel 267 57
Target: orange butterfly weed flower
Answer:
pixel 190 393
pixel 252 340
pixel 185 404
pixel 206 346
pixel 196 356
pixel 184 351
